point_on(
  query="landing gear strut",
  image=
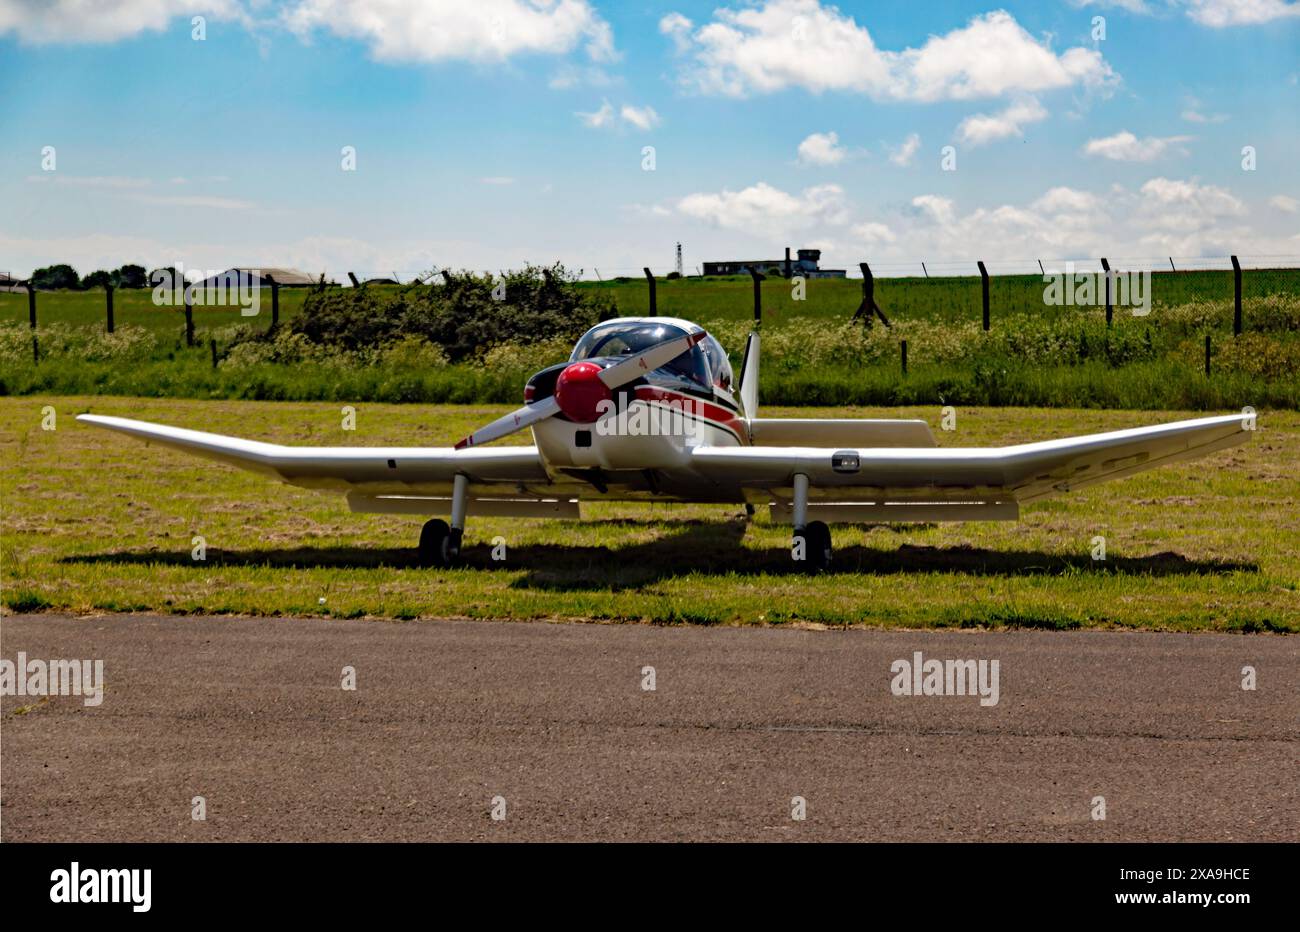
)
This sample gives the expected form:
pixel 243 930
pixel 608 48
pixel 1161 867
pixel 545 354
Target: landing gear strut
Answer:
pixel 440 543
pixel 812 540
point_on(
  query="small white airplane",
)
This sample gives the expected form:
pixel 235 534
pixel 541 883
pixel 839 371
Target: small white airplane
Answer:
pixel 644 410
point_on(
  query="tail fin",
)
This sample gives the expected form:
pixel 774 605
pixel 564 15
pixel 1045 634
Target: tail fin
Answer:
pixel 749 365
pixel 749 377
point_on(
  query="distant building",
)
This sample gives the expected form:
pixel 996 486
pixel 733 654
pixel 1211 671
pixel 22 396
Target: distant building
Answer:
pixel 286 278
pixel 805 265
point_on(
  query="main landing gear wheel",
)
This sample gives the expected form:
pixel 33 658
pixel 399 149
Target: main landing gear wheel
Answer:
pixel 439 544
pixel 816 538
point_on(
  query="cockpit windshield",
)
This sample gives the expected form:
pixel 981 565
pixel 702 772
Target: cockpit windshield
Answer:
pixel 621 338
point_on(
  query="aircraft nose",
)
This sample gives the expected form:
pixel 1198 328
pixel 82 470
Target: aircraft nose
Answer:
pixel 579 392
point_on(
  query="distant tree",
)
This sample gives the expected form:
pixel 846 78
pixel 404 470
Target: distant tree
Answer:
pixel 97 279
pixel 54 277
pixel 674 275
pixel 132 276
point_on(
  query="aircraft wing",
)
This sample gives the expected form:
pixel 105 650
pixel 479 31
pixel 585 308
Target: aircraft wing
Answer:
pixel 363 471
pixel 1000 478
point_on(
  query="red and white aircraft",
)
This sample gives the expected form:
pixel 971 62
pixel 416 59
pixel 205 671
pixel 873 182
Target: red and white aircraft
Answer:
pixel 644 410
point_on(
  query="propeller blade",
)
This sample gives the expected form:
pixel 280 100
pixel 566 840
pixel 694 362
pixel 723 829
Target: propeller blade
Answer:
pixel 515 420
pixel 625 370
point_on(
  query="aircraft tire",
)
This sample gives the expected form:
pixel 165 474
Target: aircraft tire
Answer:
pixel 434 540
pixel 817 550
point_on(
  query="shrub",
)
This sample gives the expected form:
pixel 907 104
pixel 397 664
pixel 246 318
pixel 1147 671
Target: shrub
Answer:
pixel 465 317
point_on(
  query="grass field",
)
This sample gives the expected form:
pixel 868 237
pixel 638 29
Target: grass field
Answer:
pixel 98 522
pixel 134 307
pixel 948 298
pixel 903 299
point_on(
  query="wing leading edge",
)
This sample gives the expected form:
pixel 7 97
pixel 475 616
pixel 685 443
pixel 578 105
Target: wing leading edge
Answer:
pixel 370 470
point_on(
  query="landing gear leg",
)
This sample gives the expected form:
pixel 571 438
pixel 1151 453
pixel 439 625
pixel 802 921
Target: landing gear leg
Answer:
pixel 439 543
pixel 459 505
pixel 812 542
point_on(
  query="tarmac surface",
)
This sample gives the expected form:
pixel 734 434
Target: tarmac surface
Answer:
pixel 552 723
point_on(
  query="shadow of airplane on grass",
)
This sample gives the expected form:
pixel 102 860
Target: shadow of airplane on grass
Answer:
pixel 707 547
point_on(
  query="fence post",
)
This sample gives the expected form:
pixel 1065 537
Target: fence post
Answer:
pixel 1109 309
pixel 213 343
pixel 1207 354
pixel 275 301
pixel 189 316
pixel 1236 297
pixel 925 270
pixel 650 280
pixel 31 304
pixel 108 297
pixel 903 347
pixel 758 296
pixel 865 309
pixel 984 291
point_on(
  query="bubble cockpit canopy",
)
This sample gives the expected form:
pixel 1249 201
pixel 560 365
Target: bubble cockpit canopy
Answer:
pixel 704 364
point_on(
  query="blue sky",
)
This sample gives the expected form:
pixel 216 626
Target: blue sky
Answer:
pixel 505 131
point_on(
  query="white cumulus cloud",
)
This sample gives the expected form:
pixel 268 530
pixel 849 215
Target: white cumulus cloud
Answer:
pixel 1221 13
pixel 1125 147
pixel 904 154
pixel 982 128
pixel 482 31
pixel 763 209
pixel 801 43
pixel 42 21
pixel 642 118
pixel 822 149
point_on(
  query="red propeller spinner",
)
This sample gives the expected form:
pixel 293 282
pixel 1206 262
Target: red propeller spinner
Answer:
pixel 579 392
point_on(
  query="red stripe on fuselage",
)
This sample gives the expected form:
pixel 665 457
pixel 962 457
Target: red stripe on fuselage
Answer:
pixel 715 414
